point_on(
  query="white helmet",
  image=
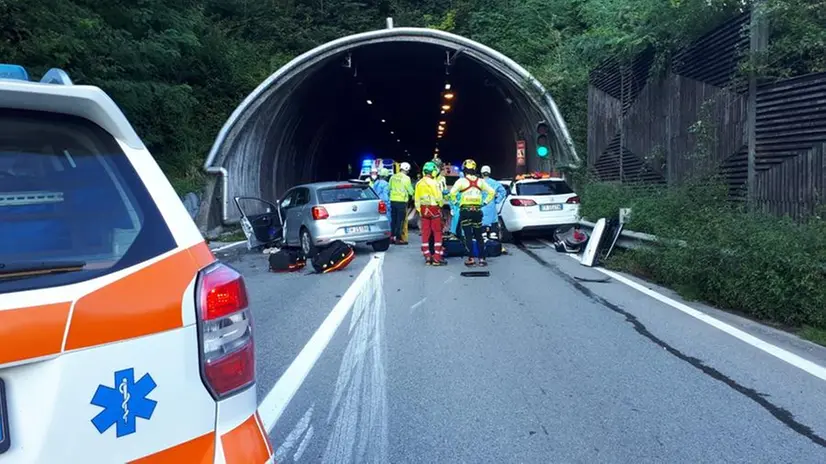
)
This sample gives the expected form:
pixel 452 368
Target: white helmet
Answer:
pixel 485 170
pixel 405 166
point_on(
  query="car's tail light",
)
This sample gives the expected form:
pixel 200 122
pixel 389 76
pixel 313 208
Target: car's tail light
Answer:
pixel 320 212
pixel 574 200
pixel 344 186
pixel 225 323
pixel 522 202
pixel 382 207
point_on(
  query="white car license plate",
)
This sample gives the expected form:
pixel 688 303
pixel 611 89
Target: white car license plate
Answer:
pixel 4 420
pixel 553 207
pixel 356 229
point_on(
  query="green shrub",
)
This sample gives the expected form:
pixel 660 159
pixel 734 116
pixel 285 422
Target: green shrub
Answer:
pixel 767 267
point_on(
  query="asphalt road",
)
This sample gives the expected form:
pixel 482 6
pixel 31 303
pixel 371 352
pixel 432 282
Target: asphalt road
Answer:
pixel 536 363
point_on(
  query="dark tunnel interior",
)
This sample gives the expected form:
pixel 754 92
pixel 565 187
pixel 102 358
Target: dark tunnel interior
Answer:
pixel 318 119
pixel 333 128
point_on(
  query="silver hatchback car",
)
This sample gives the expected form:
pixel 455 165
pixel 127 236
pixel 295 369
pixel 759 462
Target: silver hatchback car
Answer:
pixel 310 216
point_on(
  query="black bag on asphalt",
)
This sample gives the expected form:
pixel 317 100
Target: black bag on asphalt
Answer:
pixel 453 247
pixel 285 260
pixel 493 248
pixel 334 257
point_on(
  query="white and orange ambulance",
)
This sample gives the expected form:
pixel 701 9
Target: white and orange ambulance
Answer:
pixel 122 339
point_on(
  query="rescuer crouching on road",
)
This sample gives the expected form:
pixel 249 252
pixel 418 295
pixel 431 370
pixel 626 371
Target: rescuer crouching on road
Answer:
pixel 429 201
pixel 470 209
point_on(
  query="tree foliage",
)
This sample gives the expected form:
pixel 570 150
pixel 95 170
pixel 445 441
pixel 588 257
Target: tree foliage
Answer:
pixel 179 67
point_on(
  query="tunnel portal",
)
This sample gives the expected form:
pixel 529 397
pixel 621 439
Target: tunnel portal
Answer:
pixel 379 94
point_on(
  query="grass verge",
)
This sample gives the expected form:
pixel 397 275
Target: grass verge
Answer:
pixel 767 268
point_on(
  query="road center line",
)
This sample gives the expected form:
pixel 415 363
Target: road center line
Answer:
pixel 277 399
pixel 779 353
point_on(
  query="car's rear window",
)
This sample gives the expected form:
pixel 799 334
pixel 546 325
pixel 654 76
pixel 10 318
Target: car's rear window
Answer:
pixel 69 194
pixel 346 193
pixel 543 187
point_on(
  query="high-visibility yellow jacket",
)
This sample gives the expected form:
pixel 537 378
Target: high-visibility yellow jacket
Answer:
pixel 471 188
pixel 428 193
pixel 400 187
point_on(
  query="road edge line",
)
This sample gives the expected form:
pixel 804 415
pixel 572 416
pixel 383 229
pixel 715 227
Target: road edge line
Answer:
pixel 278 398
pixel 774 350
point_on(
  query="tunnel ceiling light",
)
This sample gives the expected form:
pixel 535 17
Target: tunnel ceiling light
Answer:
pixel 383 120
pixel 391 132
pixel 449 95
pixel 445 107
pixel 442 123
pixel 447 86
pixel 443 111
pixel 369 102
pixel 398 140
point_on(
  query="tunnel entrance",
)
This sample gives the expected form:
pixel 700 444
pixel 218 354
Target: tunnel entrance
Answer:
pixel 379 95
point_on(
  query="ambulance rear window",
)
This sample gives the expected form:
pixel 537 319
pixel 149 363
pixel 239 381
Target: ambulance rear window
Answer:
pixel 69 198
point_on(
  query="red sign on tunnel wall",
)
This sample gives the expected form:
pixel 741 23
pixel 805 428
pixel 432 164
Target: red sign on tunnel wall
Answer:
pixel 520 152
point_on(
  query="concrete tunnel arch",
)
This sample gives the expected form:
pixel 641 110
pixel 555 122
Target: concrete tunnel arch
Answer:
pixel 248 156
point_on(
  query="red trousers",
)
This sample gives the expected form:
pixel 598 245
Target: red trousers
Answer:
pixel 431 223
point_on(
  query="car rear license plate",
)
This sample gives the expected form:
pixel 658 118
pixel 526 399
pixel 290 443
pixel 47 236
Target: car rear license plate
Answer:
pixel 5 441
pixel 356 229
pixel 553 207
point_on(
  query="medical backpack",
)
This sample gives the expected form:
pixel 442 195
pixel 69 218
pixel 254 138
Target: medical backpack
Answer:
pixel 285 260
pixel 334 257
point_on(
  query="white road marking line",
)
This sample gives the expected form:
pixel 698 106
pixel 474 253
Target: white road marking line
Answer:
pixel 277 399
pixel 294 435
pixel 227 247
pixel 421 302
pixel 358 411
pixel 779 353
pixel 303 446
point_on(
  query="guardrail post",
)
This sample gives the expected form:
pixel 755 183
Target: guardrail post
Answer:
pixel 758 43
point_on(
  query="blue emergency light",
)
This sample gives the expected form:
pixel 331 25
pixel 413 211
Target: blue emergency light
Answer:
pixel 13 71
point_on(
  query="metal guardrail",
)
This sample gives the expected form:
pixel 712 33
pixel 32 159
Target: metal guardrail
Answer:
pixel 628 238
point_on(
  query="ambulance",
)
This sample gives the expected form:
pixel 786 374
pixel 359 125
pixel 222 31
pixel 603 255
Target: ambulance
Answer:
pixel 377 164
pixel 122 339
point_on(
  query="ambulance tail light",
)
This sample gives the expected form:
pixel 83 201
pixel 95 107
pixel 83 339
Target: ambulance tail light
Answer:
pixel 573 200
pixel 225 331
pixel 382 207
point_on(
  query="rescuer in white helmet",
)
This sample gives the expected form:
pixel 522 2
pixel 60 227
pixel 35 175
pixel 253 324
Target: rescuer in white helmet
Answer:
pixel 401 189
pixel 490 217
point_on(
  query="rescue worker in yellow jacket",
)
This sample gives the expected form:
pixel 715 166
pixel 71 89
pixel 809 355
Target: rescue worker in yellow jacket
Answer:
pixel 471 187
pixel 401 189
pixel 429 201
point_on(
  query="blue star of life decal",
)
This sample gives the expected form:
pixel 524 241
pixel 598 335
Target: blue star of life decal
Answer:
pixel 124 403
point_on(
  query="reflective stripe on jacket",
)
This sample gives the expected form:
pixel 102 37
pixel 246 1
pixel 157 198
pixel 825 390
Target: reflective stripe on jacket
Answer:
pixel 400 187
pixel 428 193
pixel 472 196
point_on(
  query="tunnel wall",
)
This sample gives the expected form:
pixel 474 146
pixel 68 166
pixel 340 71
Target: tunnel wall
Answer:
pixel 255 140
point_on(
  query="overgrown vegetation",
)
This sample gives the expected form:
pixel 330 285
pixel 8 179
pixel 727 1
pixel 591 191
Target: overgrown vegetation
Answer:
pixel 766 267
pixel 769 268
pixel 179 67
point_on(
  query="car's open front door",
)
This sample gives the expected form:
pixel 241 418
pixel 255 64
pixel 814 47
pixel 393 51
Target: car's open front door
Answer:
pixel 261 221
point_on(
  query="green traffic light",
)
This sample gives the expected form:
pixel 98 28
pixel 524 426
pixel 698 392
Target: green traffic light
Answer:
pixel 542 151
